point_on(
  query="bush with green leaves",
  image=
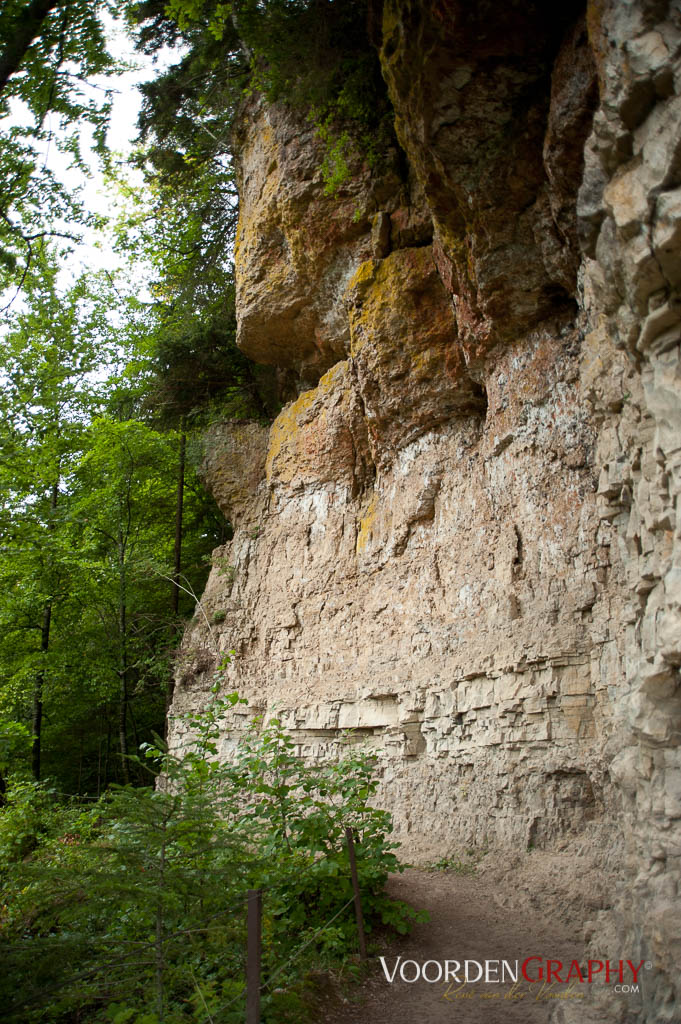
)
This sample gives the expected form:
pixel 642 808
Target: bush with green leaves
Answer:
pixel 135 910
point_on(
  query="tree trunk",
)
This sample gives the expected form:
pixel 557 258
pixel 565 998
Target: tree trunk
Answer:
pixel 123 663
pixel 38 693
pixel 37 726
pixel 177 567
pixel 40 680
pixel 24 31
pixel 108 751
pixel 99 763
pixel 179 512
pixel 80 760
pixel 160 964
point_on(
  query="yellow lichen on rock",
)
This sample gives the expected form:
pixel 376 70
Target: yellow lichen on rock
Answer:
pixel 319 437
pixel 284 433
pixel 366 524
pixel 295 244
pixel 409 365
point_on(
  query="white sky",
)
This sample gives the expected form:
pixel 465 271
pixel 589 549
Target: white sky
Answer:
pixel 95 252
pixel 121 134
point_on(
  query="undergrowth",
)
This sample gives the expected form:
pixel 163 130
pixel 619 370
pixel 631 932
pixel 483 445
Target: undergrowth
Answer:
pixel 132 910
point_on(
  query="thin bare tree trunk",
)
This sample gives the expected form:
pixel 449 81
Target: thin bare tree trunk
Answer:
pixel 123 663
pixel 179 513
pixel 38 694
pixel 38 691
pixel 159 928
pixel 177 565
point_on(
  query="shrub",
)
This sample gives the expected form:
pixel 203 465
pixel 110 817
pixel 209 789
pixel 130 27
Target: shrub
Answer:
pixel 135 911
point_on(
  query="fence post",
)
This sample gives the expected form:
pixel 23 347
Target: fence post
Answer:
pixel 253 956
pixel 358 901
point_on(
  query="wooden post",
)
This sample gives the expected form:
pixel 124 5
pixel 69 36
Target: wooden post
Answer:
pixel 358 901
pixel 253 956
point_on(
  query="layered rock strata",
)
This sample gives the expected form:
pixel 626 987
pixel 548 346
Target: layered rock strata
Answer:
pixel 459 541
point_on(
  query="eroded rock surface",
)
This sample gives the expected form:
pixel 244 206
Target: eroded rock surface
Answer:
pixel 297 246
pixel 460 541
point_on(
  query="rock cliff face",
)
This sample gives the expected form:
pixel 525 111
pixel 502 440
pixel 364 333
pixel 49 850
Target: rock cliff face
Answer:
pixel 460 539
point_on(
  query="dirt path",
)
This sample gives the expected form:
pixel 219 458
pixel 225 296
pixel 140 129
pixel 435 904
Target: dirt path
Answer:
pixel 466 923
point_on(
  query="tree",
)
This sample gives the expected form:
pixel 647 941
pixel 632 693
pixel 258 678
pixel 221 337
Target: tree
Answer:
pixel 124 505
pixel 124 519
pixel 50 53
pixel 24 24
pixel 49 358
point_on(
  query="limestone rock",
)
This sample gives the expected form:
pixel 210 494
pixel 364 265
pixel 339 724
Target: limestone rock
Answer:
pixel 461 540
pixel 297 246
pixel 321 437
pixel 411 371
pixel 233 467
pixel 471 97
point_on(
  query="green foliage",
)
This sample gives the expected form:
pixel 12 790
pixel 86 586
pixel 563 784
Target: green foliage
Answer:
pixel 14 744
pixel 183 224
pixel 458 864
pixel 312 55
pixel 199 370
pixel 29 816
pixel 48 65
pixel 87 524
pixel 49 355
pixel 336 165
pixel 135 909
